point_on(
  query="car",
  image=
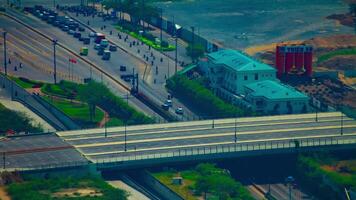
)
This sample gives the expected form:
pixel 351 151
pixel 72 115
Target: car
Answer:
pixel 104 43
pixel 101 52
pixel 92 34
pixel 81 29
pixel 112 48
pixel 169 102
pixel 86 40
pixel 77 35
pixel 65 28
pixel 165 107
pixel 179 111
pixel 81 38
pixel 71 32
pixel 97 46
pixel 122 68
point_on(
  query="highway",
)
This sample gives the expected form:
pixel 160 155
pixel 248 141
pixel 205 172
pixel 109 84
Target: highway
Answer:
pixel 153 139
pixel 36 55
pixel 111 67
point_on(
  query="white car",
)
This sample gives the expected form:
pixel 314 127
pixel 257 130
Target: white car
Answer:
pixel 179 111
pixel 169 102
pixel 92 34
pixel 97 46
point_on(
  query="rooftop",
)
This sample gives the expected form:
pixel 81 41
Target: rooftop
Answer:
pixel 238 61
pixel 274 90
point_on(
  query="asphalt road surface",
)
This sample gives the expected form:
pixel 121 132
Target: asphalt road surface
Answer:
pixel 152 139
pixel 111 66
pixel 37 151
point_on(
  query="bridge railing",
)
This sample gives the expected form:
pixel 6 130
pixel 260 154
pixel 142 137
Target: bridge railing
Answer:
pixel 293 144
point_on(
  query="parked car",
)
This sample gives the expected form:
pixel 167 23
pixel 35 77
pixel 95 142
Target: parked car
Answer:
pixel 112 48
pixel 179 111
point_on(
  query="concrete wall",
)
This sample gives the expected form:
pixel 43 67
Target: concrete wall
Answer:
pixel 157 186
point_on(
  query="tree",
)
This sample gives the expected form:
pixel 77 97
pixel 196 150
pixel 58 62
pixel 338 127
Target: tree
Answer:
pixel 195 51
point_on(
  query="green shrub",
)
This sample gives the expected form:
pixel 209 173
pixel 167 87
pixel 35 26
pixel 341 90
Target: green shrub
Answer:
pixel 201 98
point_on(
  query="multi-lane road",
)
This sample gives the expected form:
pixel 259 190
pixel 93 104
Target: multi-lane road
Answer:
pixel 111 67
pixel 153 139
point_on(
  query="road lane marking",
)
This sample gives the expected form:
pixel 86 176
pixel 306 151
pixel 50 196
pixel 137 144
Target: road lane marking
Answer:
pixel 207 136
pixel 186 131
pixel 203 122
pixel 214 144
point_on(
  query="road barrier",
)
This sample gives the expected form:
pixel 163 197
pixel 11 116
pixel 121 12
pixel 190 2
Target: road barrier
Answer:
pixel 228 150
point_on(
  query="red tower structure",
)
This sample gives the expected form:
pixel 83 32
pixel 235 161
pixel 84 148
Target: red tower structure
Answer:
pixel 294 59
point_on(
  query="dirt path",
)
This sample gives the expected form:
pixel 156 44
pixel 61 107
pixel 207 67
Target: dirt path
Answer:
pixel 3 194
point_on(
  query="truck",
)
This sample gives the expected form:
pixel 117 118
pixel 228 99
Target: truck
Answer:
pixel 99 37
pixel 84 51
pixel 106 55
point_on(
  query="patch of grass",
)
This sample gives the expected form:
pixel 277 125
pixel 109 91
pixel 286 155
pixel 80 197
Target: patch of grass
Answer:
pixel 19 122
pixel 43 189
pixel 75 110
pixel 339 52
pixel 26 83
pixel 147 41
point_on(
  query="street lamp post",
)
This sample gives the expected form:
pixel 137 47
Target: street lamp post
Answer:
pixel 342 124
pixel 161 25
pixel 54 61
pixel 5 49
pixel 316 115
pixel 176 43
pixel 235 129
pixel 125 136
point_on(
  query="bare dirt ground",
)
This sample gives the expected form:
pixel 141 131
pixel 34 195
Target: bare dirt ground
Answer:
pixel 78 192
pixel 3 194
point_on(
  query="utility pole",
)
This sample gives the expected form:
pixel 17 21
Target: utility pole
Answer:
pixel 161 28
pixel 235 129
pixel 176 41
pixel 316 115
pixel 105 126
pixel 5 49
pixel 54 61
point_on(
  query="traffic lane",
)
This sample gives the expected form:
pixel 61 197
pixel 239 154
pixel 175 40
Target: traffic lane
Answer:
pixel 183 128
pixel 216 138
pixel 166 134
pixel 132 151
pixel 94 59
pixel 39 52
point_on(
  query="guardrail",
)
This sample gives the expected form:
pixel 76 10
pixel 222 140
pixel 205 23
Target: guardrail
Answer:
pixel 48 167
pixel 232 148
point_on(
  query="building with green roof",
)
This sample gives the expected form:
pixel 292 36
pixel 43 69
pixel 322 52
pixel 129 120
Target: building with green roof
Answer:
pixel 247 82
pixel 276 98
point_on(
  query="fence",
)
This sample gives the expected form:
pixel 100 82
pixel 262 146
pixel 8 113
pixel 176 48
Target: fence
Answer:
pixel 208 152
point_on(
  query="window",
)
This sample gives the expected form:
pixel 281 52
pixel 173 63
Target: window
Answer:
pixel 256 77
pixel 245 78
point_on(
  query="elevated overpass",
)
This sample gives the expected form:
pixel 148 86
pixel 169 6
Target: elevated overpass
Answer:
pixel 146 145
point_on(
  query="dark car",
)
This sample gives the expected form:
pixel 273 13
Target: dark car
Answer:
pixel 165 107
pixel 81 29
pixel 86 40
pixel 122 68
pixel 77 35
pixel 101 51
pixel 112 48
